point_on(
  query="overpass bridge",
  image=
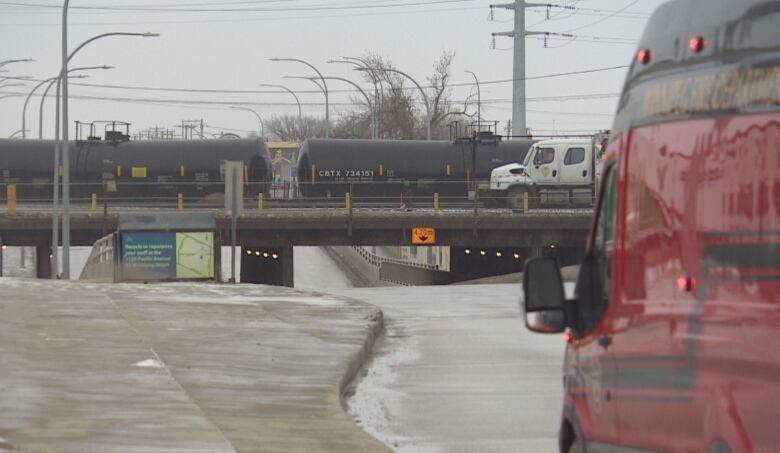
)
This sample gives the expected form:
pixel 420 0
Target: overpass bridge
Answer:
pixel 277 230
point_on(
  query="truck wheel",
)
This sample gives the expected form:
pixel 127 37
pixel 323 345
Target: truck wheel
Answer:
pixel 576 447
pixel 514 198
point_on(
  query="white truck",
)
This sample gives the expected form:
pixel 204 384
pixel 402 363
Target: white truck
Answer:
pixel 554 172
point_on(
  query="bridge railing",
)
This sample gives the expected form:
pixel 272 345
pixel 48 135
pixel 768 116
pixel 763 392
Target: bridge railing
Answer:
pixel 102 264
pixel 111 196
pixel 377 260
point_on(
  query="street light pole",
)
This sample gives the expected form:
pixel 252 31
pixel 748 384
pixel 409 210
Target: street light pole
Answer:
pixel 368 100
pixel 425 97
pixel 298 101
pixel 51 80
pixel 325 85
pixel 16 133
pixel 314 81
pixel 63 81
pixel 65 151
pixel 377 87
pixel 23 60
pixel 262 126
pixel 479 101
pixel 380 94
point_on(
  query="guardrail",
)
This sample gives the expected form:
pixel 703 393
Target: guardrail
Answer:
pixel 101 266
pixel 377 260
pixel 405 195
pixel 16 197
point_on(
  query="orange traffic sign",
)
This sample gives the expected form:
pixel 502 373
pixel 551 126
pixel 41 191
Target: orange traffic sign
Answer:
pixel 423 236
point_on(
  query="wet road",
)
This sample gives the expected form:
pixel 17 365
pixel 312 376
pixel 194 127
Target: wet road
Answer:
pixel 456 371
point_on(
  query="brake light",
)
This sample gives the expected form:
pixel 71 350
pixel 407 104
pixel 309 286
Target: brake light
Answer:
pixel 686 283
pixel 697 43
pixel 644 56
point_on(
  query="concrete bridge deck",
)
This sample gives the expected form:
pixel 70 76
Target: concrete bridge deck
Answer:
pixel 179 367
pixel 286 227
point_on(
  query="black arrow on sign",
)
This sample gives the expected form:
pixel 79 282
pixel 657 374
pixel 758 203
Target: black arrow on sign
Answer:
pixel 423 238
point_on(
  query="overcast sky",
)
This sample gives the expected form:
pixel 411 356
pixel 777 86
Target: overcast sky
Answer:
pixel 203 49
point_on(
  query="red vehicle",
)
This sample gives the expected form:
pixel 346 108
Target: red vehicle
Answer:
pixel 673 336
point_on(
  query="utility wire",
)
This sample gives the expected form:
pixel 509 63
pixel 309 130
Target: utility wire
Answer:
pixel 296 17
pixel 346 90
pixel 131 9
pixel 570 97
pixel 603 18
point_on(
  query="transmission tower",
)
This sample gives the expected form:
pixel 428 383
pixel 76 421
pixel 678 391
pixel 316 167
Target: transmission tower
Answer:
pixel 518 71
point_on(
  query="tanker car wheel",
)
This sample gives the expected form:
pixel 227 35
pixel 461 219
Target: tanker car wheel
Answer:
pixel 514 198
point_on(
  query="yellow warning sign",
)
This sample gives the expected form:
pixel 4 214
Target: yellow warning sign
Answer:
pixel 423 236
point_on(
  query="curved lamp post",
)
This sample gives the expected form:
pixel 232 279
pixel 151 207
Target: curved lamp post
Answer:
pixel 298 101
pixel 16 133
pixel 262 126
pixel 63 77
pixel 425 97
pixel 368 100
pixel 479 101
pixel 23 60
pixel 375 76
pixel 360 63
pixel 325 89
pixel 50 81
pixel 310 79
pixel 46 93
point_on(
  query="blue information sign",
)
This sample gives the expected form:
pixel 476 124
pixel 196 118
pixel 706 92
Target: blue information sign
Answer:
pixel 149 255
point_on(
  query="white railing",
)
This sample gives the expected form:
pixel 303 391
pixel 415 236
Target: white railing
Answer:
pixel 101 264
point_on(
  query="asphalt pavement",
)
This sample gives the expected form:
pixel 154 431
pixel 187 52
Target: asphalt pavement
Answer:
pixel 457 372
pixel 179 368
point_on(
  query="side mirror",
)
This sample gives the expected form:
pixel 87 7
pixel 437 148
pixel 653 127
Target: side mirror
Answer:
pixel 543 305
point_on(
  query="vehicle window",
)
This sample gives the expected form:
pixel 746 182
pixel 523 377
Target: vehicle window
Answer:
pixel 531 152
pixel 596 302
pixel 574 156
pixel 544 156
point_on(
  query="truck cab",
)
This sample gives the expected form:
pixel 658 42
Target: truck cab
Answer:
pixel 559 171
pixel 672 331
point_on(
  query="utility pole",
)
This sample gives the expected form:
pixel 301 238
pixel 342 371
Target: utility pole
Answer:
pixel 518 72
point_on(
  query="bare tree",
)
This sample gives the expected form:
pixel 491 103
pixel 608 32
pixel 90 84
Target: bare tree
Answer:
pixel 401 110
pixel 291 128
pixel 402 113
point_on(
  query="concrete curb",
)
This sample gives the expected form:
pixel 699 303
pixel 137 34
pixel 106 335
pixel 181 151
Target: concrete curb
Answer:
pixel 358 361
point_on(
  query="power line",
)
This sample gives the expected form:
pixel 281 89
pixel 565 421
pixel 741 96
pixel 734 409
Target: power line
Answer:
pixel 296 17
pixel 603 18
pixel 132 9
pixel 346 90
pixel 570 97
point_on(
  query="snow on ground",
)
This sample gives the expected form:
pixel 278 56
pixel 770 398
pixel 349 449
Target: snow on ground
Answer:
pixel 314 270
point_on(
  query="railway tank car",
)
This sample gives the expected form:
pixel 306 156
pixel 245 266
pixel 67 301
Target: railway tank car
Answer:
pixel 385 168
pixel 144 171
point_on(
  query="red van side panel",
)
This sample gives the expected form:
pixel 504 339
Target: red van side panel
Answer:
pixel 696 314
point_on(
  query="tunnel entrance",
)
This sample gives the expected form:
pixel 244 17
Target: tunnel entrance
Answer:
pixel 267 265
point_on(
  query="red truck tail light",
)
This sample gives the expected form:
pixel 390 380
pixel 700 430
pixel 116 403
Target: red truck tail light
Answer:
pixel 697 43
pixel 644 56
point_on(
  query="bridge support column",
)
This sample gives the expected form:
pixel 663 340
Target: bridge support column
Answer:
pixel 42 260
pixel 288 267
